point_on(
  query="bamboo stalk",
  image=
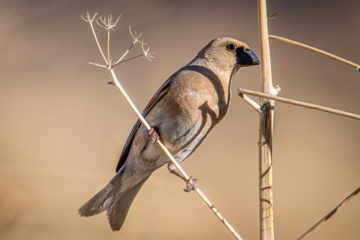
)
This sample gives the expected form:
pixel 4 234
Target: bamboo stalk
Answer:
pixel 330 55
pixel 241 92
pixel 265 132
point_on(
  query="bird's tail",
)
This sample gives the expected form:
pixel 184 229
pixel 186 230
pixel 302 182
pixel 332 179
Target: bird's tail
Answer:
pixel 114 199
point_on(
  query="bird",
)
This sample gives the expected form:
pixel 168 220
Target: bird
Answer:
pixel 182 112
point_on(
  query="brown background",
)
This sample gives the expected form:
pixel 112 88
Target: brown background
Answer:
pixel 62 127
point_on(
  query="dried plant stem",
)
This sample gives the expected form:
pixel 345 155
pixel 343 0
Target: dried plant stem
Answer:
pixel 142 119
pixel 177 165
pixel 108 25
pixel 265 132
pixel 90 21
pixel 331 213
pixel 129 59
pixel 298 103
pixel 252 103
pixel 136 39
pixel 108 45
pixel 332 56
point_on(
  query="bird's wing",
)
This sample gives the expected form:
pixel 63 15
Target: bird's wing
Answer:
pixel 158 95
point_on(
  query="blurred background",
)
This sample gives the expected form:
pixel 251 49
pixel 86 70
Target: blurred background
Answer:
pixel 63 127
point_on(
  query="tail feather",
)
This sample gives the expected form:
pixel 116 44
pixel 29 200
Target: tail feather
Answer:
pixel 101 201
pixel 119 206
pixel 97 204
pixel 113 198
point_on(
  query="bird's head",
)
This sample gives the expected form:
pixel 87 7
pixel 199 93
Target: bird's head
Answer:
pixel 228 54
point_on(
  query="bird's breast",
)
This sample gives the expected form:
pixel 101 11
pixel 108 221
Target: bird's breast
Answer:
pixel 189 120
pixel 193 105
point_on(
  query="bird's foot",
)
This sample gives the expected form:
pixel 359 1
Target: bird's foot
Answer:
pixel 153 134
pixel 191 184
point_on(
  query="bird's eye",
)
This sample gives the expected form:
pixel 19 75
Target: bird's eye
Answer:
pixel 230 47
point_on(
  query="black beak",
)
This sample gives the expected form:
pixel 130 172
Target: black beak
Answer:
pixel 246 57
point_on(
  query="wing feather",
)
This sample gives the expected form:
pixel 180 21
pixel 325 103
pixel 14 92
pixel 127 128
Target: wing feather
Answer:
pixel 155 99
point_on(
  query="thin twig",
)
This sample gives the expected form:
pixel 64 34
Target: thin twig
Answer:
pixel 129 59
pixel 142 119
pixel 177 165
pixel 90 21
pixel 147 52
pixel 272 16
pixel 98 65
pixel 135 40
pixel 252 103
pixel 108 45
pixel 299 103
pixel 331 213
pixel 107 24
pixel 332 56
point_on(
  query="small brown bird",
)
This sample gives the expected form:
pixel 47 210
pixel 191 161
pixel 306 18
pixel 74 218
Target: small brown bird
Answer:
pixel 182 112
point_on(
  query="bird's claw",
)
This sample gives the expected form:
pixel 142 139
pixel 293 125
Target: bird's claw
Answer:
pixel 191 184
pixel 153 134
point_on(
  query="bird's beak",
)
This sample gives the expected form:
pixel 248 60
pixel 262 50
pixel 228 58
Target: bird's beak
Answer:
pixel 246 58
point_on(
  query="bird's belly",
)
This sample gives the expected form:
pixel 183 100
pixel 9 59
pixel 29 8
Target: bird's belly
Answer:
pixel 184 121
pixel 182 135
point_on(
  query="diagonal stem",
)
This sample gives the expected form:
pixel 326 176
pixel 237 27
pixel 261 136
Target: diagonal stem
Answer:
pixel 129 59
pixel 127 51
pixel 299 103
pixel 331 213
pixel 97 43
pixel 252 103
pixel 109 66
pixel 136 39
pixel 330 55
pixel 177 165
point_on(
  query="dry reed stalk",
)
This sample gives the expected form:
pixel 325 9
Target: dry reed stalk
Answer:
pixel 241 92
pixel 330 55
pixel 265 131
pixel 266 111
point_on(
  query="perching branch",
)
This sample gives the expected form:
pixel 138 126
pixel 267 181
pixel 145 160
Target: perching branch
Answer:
pixel 241 93
pixel 109 25
pixel 331 213
pixel 332 56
